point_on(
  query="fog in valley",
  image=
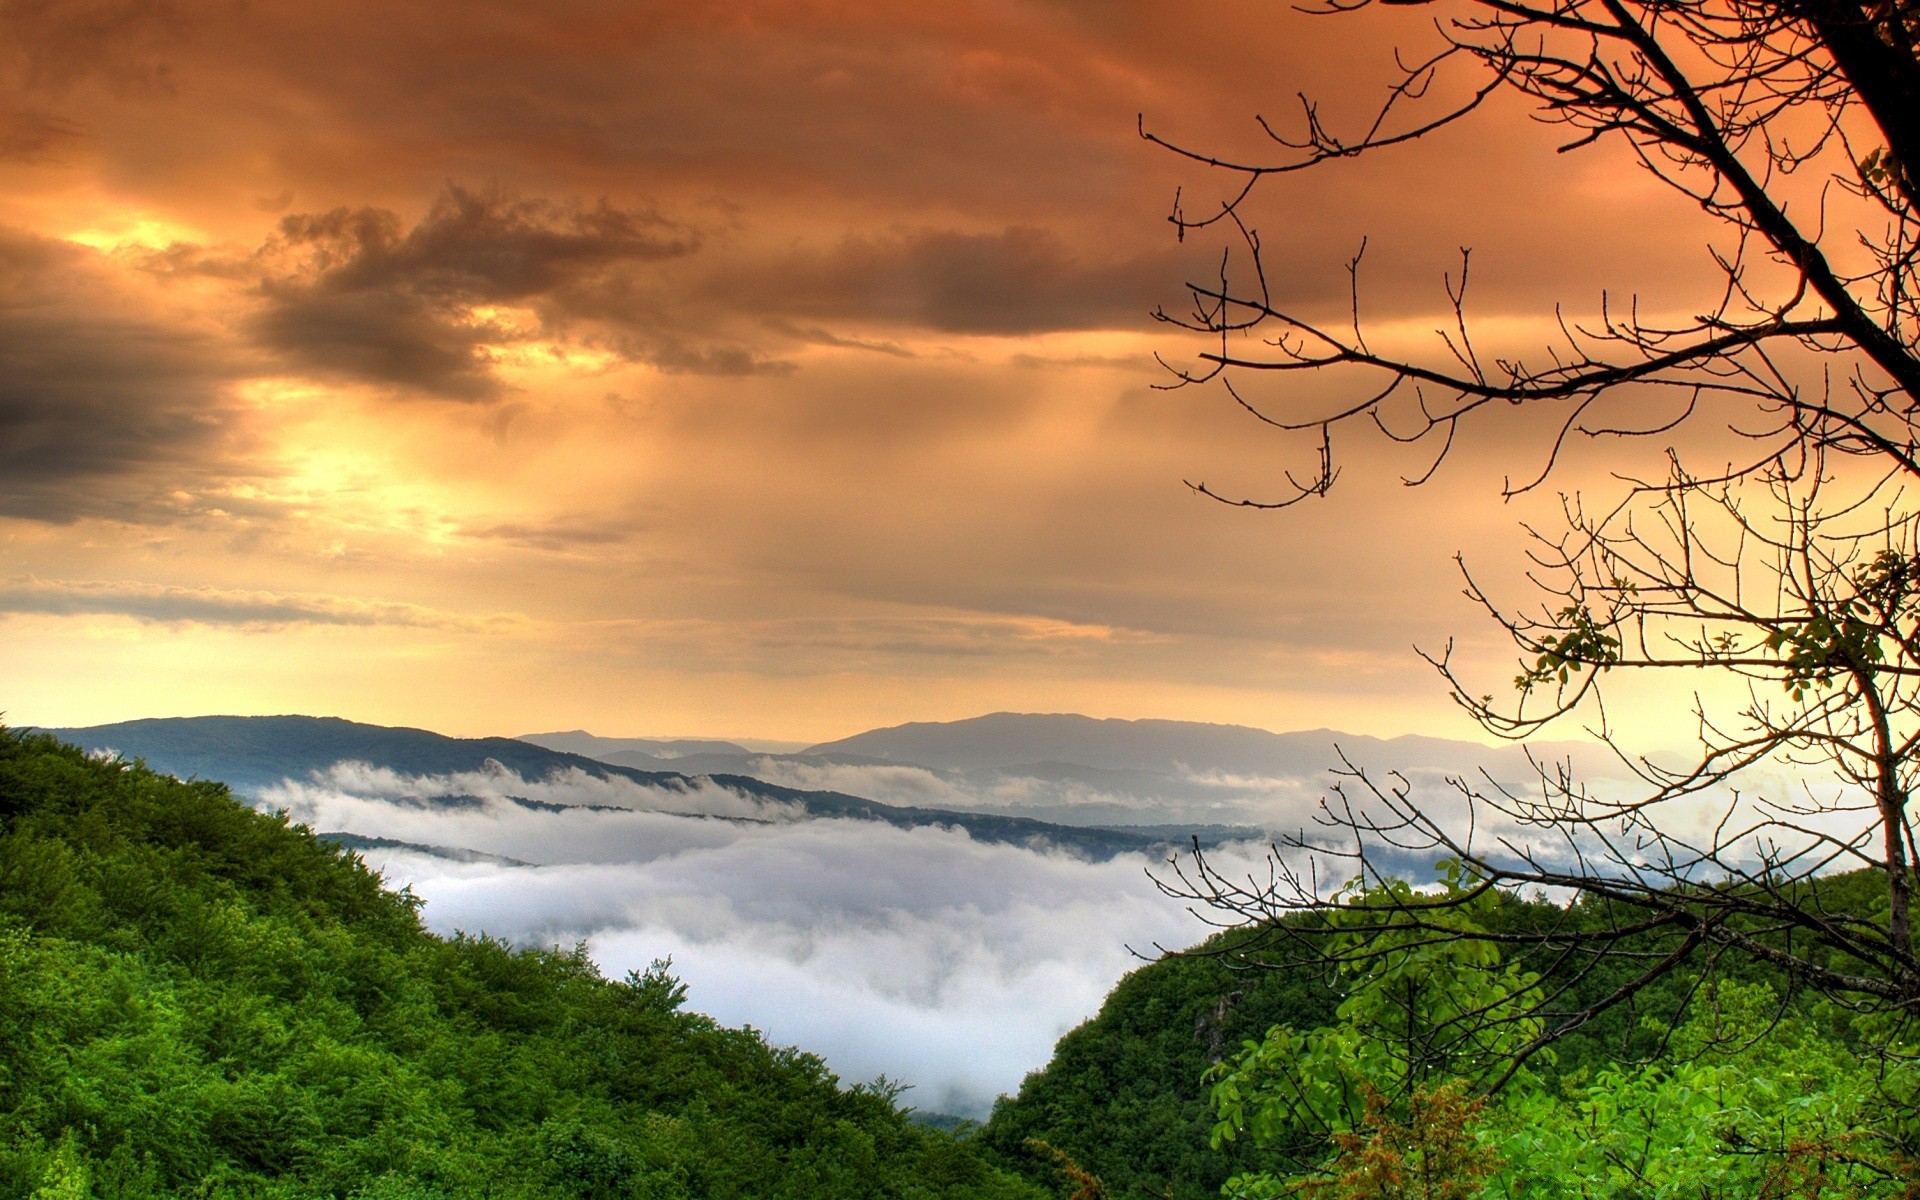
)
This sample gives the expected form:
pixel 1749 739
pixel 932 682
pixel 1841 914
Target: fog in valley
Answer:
pixel 920 954
pixel 909 946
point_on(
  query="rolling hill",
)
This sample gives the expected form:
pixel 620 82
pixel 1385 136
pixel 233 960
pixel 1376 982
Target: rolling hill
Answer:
pixel 253 753
pixel 1069 769
pixel 198 1000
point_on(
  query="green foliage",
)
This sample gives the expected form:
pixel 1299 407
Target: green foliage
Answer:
pixel 1853 632
pixel 1777 1109
pixel 1583 642
pixel 197 1000
pixel 1122 1095
pixel 1432 1152
pixel 1752 1099
pixel 1421 1006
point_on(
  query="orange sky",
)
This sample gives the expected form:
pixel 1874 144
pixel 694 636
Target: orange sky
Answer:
pixel 756 369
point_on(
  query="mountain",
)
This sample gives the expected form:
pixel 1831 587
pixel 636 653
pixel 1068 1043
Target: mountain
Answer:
pixel 198 1000
pixel 579 741
pixel 1124 1094
pixel 1074 770
pixel 249 753
pixel 1057 741
pixel 253 753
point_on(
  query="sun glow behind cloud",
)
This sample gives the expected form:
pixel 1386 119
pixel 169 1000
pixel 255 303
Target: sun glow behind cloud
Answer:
pixel 130 232
pixel 785 368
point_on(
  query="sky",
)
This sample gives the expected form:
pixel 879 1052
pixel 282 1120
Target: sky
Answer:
pixel 769 369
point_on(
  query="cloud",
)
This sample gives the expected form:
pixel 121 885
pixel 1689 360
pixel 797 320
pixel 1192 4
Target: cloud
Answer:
pixel 1076 795
pixel 217 606
pixel 808 643
pixel 504 795
pixel 916 787
pixel 920 954
pixel 1017 280
pixel 914 953
pixel 814 335
pixel 99 401
pixel 31 135
pixel 352 294
pixel 51 47
pixel 818 219
pixel 675 356
pixel 559 535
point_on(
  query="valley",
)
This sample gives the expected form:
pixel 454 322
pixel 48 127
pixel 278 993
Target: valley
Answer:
pixel 946 944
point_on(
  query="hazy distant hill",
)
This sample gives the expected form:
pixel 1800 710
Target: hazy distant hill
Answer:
pixel 579 741
pixel 249 753
pixel 1076 770
pixel 1003 741
pixel 252 753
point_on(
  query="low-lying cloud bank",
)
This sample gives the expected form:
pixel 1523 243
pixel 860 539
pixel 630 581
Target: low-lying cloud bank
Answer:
pixel 951 964
pixel 504 796
pixel 919 953
pixel 1076 795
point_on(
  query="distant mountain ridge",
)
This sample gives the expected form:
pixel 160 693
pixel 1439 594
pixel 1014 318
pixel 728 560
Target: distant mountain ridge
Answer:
pixel 1093 772
pixel 1097 786
pixel 253 753
pixel 579 741
pixel 249 753
pixel 1006 740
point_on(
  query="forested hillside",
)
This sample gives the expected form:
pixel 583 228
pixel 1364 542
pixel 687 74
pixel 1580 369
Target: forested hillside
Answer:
pixel 1123 1095
pixel 198 1000
pixel 1202 1071
pixel 250 754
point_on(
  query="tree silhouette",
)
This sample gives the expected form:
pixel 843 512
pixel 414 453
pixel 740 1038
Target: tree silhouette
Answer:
pixel 1791 566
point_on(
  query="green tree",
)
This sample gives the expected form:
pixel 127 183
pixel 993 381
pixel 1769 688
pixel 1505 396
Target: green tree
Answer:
pixel 1123 1093
pixel 1789 565
pixel 1419 1012
pixel 1745 1104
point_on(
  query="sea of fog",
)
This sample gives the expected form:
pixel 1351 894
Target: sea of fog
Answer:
pixel 921 954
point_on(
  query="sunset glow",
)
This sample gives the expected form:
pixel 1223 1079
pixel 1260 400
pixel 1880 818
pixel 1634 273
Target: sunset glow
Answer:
pixel 757 369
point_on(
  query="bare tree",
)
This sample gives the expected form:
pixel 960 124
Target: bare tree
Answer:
pixel 1790 568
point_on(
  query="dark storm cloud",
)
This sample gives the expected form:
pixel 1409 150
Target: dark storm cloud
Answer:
pixel 98 402
pixel 381 337
pixel 352 294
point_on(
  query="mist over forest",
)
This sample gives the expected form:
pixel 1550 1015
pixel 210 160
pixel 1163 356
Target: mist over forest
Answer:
pixel 1004 976
pixel 946 957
